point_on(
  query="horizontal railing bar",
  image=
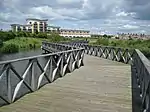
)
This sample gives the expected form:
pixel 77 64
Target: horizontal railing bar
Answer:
pixel 100 46
pixel 143 58
pixel 38 56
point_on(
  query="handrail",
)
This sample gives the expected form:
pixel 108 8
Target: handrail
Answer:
pixel 108 52
pixel 38 56
pixel 21 76
pixel 140 82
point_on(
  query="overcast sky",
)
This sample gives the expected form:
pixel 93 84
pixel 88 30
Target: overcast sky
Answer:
pixel 109 16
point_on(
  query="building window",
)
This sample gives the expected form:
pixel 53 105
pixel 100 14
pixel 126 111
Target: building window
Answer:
pixel 41 24
pixel 19 29
pixel 41 30
pixel 30 30
pixel 24 28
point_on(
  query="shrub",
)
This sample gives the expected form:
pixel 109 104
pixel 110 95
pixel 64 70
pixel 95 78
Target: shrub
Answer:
pixel 145 51
pixel 1 43
pixel 104 42
pixel 113 44
pixel 10 48
pixel 142 45
pixel 4 36
pixel 56 37
pixel 21 34
pixel 41 35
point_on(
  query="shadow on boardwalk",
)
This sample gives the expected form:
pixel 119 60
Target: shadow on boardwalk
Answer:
pixel 99 86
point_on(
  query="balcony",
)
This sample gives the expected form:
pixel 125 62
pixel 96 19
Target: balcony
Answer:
pixel 19 29
pixel 41 30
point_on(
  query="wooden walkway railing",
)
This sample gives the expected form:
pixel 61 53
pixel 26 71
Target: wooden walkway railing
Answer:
pixel 35 73
pixel 21 76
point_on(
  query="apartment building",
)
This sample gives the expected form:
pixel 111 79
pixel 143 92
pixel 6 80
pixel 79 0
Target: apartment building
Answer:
pixel 74 33
pixel 33 26
pixel 18 27
pixel 38 25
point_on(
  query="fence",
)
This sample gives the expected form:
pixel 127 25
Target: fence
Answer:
pixel 107 52
pixel 21 76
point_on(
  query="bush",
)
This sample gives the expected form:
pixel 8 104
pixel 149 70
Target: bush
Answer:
pixel 41 35
pixel 145 51
pixel 1 43
pixel 113 44
pixel 10 48
pixel 104 42
pixel 142 45
pixel 4 36
pixel 56 38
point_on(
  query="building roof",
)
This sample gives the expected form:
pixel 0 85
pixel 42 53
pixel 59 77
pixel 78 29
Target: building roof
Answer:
pixel 15 24
pixel 34 19
pixel 74 30
pixel 19 25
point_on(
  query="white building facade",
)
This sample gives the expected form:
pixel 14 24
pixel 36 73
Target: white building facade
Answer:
pixel 53 29
pixel 38 25
pixel 74 33
pixel 32 26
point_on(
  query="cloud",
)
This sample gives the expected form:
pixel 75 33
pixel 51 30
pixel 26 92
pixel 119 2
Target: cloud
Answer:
pixel 140 8
pixel 127 26
pixel 68 1
pixel 96 15
pixel 122 14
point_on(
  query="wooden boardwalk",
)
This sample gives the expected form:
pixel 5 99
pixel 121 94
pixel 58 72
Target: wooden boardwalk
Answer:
pixel 99 86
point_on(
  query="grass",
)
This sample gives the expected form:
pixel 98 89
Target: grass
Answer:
pixel 142 45
pixel 25 43
pixel 91 40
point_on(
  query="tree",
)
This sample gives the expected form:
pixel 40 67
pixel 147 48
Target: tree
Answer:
pixel 109 36
pixel 4 36
pixel 105 36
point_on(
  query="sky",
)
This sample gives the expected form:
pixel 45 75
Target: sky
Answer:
pixel 104 16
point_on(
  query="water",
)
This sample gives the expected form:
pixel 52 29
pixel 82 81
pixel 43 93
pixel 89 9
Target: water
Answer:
pixel 4 57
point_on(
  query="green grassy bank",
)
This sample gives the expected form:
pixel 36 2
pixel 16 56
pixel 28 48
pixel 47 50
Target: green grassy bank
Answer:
pixel 11 42
pixel 142 45
pixel 21 43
